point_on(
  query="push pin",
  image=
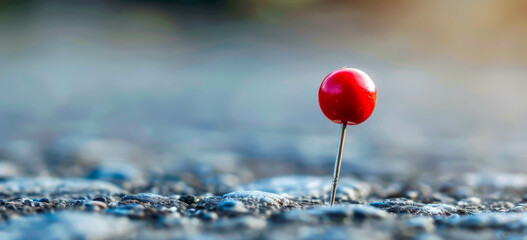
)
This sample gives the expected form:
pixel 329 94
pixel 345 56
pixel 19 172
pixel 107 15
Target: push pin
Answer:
pixel 347 96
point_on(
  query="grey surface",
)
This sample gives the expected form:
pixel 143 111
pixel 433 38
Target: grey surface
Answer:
pixel 415 209
pixel 141 120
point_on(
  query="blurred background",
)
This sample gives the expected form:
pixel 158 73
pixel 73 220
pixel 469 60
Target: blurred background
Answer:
pixel 233 84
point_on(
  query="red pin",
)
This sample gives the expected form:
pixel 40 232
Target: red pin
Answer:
pixel 347 96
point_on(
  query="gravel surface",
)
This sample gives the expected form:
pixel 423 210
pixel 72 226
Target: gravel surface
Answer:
pixel 202 202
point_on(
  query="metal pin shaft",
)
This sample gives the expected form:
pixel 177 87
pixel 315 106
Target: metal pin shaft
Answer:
pixel 338 161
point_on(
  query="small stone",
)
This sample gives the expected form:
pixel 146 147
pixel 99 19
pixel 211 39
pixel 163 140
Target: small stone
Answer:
pixel 469 201
pixel 496 180
pixel 209 216
pixel 96 203
pixel 193 224
pixel 511 221
pixel 210 203
pixel 463 192
pixel 500 206
pixel 310 187
pixel 406 206
pixel 246 222
pixel 411 194
pixel 518 209
pixel 10 206
pixel 189 199
pixel 232 206
pixel 337 213
pixel 421 223
pixel 127 210
pixel 155 199
pixel 28 202
pixel 118 173
pixel 221 183
pixel 252 200
pixel 71 225
pixel 44 200
pixel 102 199
pixel 57 187
pixel 257 199
pixel 147 197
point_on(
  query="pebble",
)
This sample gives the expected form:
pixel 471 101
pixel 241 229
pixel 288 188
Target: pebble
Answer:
pixel 421 223
pixel 406 206
pixel 118 173
pixel 57 187
pixel 255 202
pixel 189 199
pixel 209 216
pixel 148 198
pixel 28 202
pixel 522 207
pixel 469 201
pixel 181 223
pixel 245 222
pixel 310 187
pixel 102 199
pixel 125 210
pixel 411 194
pixel 337 213
pixel 10 206
pixel 259 199
pixel 67 225
pixel 510 221
pixel 232 206
pixel 221 183
pixel 96 203
pixel 154 200
pixel 496 180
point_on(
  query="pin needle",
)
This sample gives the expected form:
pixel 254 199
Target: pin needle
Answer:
pixel 338 161
pixel 347 96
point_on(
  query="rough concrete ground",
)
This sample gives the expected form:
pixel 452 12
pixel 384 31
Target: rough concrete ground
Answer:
pixel 134 203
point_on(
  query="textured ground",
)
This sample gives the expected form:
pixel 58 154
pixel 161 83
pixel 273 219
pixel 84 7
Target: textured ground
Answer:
pixel 139 121
pixel 201 202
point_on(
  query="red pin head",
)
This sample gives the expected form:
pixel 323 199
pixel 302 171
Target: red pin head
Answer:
pixel 348 96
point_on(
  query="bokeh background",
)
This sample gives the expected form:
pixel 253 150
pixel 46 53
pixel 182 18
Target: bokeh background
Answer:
pixel 234 83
